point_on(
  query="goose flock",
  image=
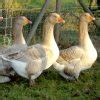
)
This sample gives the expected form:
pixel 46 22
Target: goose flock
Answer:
pixel 30 61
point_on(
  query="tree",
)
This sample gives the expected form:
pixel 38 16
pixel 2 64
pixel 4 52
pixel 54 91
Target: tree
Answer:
pixel 57 31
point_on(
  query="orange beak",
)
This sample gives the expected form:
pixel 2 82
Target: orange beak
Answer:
pixel 30 22
pixel 91 18
pixel 1 18
pixel 61 20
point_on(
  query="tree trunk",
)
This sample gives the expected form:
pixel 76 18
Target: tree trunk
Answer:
pixel 37 21
pixel 57 27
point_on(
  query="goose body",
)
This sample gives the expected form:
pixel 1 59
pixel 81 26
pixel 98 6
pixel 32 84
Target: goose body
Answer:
pixel 80 57
pixel 18 44
pixel 31 62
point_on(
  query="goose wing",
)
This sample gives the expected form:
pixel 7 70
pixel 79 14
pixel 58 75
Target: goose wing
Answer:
pixel 70 58
pixel 32 52
pixel 71 54
pixel 34 59
pixel 7 50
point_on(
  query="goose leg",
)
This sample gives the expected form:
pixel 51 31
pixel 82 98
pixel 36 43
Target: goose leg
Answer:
pixel 76 75
pixel 72 75
pixel 77 71
pixel 32 78
pixel 66 76
pixel 69 72
pixel 31 81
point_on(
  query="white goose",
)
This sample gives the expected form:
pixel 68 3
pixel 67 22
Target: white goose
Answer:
pixel 80 57
pixel 18 44
pixel 30 63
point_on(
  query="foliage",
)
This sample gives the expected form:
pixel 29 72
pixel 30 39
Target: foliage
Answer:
pixel 12 4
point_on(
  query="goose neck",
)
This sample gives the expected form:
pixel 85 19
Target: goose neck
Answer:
pixel 18 35
pixel 48 29
pixel 84 38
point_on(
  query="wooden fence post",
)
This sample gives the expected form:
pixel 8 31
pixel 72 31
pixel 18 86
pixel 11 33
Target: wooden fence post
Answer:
pixel 37 21
pixel 57 31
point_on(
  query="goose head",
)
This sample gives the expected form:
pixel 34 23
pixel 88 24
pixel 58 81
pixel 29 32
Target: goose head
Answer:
pixel 1 18
pixel 87 17
pixel 54 18
pixel 22 20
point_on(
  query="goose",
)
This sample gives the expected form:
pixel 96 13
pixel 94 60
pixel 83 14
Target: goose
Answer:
pixel 77 58
pixel 19 43
pixel 31 62
pixel 19 23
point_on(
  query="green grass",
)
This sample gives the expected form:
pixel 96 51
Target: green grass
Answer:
pixel 51 86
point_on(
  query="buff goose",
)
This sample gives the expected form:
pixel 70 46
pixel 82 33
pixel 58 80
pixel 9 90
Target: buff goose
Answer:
pixel 18 44
pixel 19 41
pixel 30 63
pixel 80 57
pixel 19 23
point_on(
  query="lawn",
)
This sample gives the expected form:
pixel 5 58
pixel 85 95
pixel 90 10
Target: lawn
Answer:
pixel 51 86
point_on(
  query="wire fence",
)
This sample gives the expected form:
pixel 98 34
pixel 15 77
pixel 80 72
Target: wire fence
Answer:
pixel 68 31
pixel 6 26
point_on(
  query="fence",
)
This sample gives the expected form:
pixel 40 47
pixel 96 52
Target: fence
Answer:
pixel 6 26
pixel 68 31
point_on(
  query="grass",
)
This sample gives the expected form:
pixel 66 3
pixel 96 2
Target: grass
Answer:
pixel 51 86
